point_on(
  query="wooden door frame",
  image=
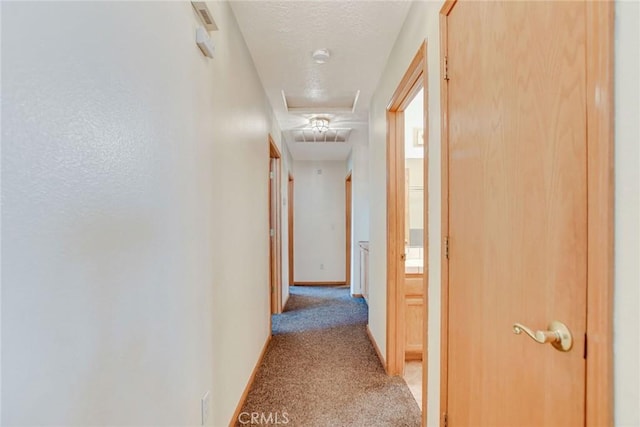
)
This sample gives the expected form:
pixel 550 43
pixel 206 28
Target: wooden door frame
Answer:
pixel 275 246
pixel 600 192
pixel 414 79
pixel 290 227
pixel 348 195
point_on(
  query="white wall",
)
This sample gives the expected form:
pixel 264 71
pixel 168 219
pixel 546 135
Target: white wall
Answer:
pixel 319 221
pixel 627 215
pixel 358 164
pixel 421 23
pixel 128 160
pixel 1 274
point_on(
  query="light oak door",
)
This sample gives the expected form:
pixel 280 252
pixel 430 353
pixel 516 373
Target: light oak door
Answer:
pixel 273 241
pixel 517 211
pixel 275 235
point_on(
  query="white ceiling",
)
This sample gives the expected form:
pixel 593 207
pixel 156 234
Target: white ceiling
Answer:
pixel 282 35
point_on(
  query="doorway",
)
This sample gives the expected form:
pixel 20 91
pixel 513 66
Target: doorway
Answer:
pixel 406 228
pixel 527 213
pixel 348 210
pixel 275 235
pixel 290 227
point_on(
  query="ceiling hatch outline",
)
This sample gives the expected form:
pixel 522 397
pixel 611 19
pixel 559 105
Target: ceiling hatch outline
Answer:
pixel 344 103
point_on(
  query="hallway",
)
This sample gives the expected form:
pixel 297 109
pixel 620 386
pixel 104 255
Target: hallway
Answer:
pixel 173 173
pixel 320 368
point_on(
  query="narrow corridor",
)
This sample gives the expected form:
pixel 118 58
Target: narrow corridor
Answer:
pixel 320 368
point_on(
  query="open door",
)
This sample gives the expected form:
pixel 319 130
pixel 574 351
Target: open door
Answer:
pixel 275 234
pixel 527 190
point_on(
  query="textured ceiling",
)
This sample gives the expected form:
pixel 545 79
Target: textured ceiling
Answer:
pixel 282 35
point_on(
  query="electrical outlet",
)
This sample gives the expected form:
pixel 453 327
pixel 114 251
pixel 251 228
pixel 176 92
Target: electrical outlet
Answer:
pixel 205 404
pixel 321 266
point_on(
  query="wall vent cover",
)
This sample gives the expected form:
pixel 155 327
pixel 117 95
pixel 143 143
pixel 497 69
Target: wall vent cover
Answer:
pixel 205 15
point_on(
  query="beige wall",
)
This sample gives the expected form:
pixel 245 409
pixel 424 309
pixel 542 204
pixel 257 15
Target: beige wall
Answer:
pixel 131 166
pixel 423 22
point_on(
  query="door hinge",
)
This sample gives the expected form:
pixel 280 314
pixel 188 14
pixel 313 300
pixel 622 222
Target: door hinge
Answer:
pixel 446 67
pixel 272 232
pixel 446 247
pixel 584 354
pixel 445 420
pixel 270 175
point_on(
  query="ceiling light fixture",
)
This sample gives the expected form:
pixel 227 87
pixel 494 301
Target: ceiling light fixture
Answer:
pixel 320 124
pixel 321 56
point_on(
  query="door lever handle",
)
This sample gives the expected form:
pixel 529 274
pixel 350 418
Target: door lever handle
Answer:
pixel 541 337
pixel 558 335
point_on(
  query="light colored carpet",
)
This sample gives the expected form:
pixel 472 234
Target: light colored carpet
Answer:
pixel 320 369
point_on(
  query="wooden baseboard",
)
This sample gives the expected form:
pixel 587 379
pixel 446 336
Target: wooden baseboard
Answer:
pixel 243 398
pixel 320 283
pixel 377 349
pixel 357 295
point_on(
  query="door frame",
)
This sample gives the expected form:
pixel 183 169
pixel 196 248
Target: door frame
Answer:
pixel 348 196
pixel 414 79
pixel 600 191
pixel 275 241
pixel 290 227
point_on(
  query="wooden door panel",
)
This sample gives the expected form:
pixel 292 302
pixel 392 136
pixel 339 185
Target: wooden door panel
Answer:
pixel 414 285
pixel 517 211
pixel 414 318
pixel 414 328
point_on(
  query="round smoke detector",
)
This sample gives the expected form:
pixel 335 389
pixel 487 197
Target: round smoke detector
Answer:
pixel 321 56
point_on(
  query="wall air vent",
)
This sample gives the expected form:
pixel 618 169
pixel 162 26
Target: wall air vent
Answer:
pixel 205 15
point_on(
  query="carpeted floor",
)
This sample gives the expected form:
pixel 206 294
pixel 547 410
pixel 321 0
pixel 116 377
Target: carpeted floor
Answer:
pixel 320 369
